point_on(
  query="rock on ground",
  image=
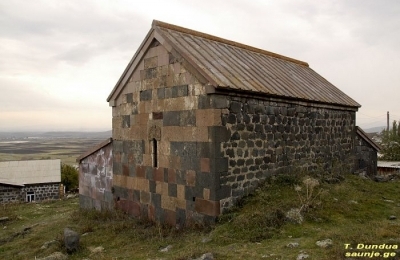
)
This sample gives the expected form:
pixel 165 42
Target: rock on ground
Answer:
pixel 71 240
pixel 166 249
pixel 48 243
pixel 292 245
pixel 95 250
pixel 205 240
pixel 206 256
pixel 55 256
pixel 3 219
pixel 324 243
pixel 302 256
pixel 71 196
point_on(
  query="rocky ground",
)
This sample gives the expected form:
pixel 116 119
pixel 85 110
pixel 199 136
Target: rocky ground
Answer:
pixel 287 218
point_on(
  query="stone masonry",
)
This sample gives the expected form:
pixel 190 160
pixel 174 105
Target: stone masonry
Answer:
pixel 165 166
pixel 182 154
pixel 10 193
pixel 271 136
pixel 366 154
pixel 45 191
pixel 95 178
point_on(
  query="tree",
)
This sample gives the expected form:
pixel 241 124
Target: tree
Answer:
pixel 391 143
pixel 69 177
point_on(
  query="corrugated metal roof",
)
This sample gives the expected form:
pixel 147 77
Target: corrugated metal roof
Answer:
pixel 29 172
pixel 7 182
pixel 235 66
pixel 388 164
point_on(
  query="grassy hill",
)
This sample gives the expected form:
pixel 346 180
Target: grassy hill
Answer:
pixel 353 213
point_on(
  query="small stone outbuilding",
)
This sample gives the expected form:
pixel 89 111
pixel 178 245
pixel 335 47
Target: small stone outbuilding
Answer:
pixel 366 151
pixel 33 180
pixel 200 121
pixel 95 177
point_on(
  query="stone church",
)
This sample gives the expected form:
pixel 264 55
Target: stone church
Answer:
pixel 200 121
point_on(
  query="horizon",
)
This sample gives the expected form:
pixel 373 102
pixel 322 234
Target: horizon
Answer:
pixel 56 131
pixel 53 129
pixel 61 59
pixel 110 130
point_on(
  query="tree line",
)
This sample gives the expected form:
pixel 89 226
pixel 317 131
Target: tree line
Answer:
pixel 391 143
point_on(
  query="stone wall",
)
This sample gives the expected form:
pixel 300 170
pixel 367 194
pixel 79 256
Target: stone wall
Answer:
pixel 183 153
pixel 10 193
pixel 164 158
pixel 43 191
pixel 96 179
pixel 366 157
pixel 275 136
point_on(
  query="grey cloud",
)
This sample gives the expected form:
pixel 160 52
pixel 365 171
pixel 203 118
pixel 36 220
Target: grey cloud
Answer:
pixel 69 32
pixel 376 22
pixel 79 53
pixel 19 97
pixel 16 24
pixel 38 37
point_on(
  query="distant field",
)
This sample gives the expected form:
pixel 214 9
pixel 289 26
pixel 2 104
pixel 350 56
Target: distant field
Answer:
pixel 66 149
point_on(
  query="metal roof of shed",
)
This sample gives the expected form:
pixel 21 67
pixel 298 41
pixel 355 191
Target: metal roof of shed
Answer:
pixel 388 164
pixel 229 65
pixel 20 173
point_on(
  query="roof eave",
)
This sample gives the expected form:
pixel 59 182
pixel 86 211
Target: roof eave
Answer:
pixel 94 149
pixel 11 184
pixel 364 135
pixel 228 90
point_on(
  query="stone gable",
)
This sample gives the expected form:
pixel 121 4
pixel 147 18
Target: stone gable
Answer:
pixel 198 124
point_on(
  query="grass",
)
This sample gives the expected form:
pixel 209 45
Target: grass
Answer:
pixel 351 212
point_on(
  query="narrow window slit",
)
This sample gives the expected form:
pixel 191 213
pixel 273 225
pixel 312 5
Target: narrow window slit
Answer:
pixel 155 162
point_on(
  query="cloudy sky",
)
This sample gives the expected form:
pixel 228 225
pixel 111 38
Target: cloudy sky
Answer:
pixel 61 59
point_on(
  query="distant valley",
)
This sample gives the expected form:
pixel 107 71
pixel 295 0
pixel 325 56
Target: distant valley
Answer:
pixel 55 134
pixel 66 146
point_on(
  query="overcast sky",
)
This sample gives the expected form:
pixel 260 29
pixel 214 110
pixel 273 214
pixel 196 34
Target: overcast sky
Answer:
pixel 61 59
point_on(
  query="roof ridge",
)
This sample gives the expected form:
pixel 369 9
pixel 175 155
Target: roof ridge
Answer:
pixel 157 23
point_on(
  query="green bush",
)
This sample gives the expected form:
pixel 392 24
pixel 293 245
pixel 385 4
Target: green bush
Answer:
pixel 391 143
pixel 69 177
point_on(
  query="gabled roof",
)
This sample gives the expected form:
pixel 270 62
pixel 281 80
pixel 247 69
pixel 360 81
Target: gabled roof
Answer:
pixel 94 149
pixel 367 139
pixel 228 65
pixel 19 173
